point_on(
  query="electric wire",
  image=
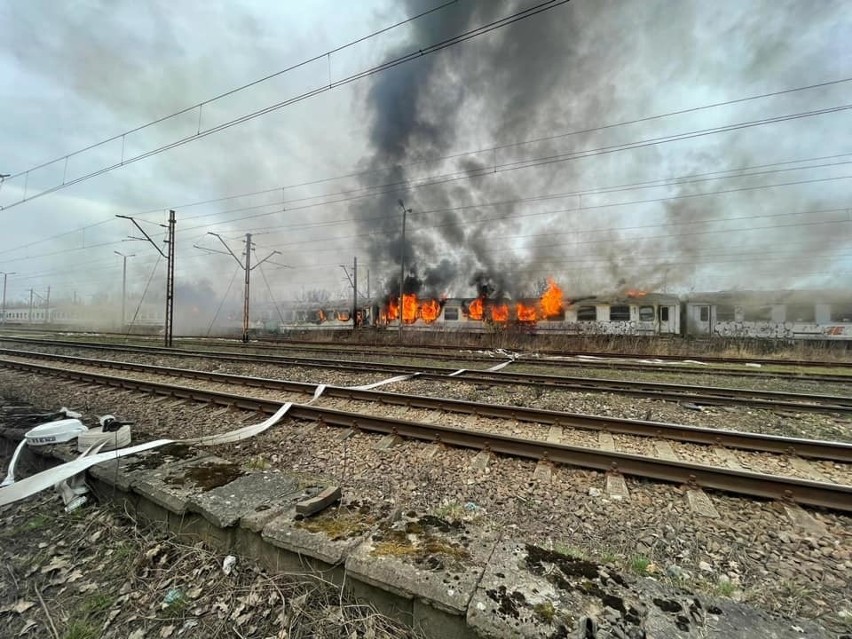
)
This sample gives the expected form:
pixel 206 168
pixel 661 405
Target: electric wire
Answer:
pixel 433 48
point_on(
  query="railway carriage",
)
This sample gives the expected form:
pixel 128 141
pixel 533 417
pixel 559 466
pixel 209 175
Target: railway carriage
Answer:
pixel 783 315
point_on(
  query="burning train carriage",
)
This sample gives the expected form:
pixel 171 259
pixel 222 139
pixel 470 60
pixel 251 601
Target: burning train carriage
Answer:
pixel 799 315
pixel 787 315
pixel 632 313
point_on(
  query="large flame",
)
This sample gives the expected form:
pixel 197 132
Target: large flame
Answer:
pixel 500 313
pixel 552 300
pixel 635 292
pixel 476 309
pixel 525 313
pixel 430 310
pixel 412 309
pixel 409 308
pixel 392 311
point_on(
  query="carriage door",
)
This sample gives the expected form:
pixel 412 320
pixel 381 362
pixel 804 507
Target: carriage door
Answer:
pixel 699 319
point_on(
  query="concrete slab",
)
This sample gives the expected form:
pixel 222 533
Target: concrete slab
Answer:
pixel 424 557
pixel 701 504
pixel 480 462
pixel 429 451
pixel 664 450
pixel 616 487
pixel 807 469
pixel 328 536
pixel 173 487
pixel 122 472
pixel 543 472
pixel 527 591
pixel 804 520
pixel 346 434
pixel 387 442
pixel 606 442
pixel 226 505
pixel 728 457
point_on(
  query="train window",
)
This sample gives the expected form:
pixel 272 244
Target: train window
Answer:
pixel 801 313
pixel 646 313
pixel 664 313
pixel 704 313
pixel 619 313
pixel 587 314
pixel 757 313
pixel 841 312
pixel 724 313
pixel 451 313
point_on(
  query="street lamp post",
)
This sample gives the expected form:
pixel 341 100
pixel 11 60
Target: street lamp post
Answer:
pixel 123 284
pixel 5 275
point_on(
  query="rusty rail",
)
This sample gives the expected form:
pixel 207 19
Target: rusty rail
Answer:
pixel 810 448
pixel 621 365
pixel 701 395
pixel 827 495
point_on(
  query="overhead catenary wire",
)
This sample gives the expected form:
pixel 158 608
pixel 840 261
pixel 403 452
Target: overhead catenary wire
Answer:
pixel 673 181
pixel 491 149
pixel 420 52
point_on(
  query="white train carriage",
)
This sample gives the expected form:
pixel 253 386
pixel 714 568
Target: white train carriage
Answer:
pixel 783 315
pixel 651 314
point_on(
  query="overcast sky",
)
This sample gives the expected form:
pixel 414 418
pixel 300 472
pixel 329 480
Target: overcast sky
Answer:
pixel 75 73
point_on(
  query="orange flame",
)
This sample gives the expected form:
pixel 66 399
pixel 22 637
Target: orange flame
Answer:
pixel 392 312
pixel 500 313
pixel 635 292
pixel 552 300
pixel 343 316
pixel 525 313
pixel 475 309
pixel 430 310
pixel 320 316
pixel 409 308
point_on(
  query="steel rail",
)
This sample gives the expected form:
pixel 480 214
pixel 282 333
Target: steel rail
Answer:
pixel 767 361
pixel 525 361
pixel 273 342
pixel 823 494
pixel 757 442
pixel 706 395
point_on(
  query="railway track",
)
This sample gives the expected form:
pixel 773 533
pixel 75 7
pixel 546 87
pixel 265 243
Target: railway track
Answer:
pixel 618 357
pixel 303 344
pixel 816 449
pixel 817 493
pixel 608 364
pixel 698 395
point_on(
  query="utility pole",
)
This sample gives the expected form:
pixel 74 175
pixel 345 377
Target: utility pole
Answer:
pixel 170 281
pixel 248 268
pixel 355 294
pixel 123 285
pixel 30 314
pixel 247 296
pixel 5 275
pixel 47 309
pixel 169 255
pixel 402 266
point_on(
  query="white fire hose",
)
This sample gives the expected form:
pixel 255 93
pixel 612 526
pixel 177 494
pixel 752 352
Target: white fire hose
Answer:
pixel 68 477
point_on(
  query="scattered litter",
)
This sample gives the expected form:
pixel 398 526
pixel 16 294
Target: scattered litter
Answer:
pixel 228 564
pixel 173 595
pixel 752 365
pixel 691 406
pixel 471 507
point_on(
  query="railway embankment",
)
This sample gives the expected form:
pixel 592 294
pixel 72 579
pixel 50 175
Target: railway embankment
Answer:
pixel 445 576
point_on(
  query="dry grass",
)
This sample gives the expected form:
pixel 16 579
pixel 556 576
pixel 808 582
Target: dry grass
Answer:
pixel 98 573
